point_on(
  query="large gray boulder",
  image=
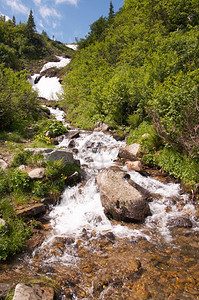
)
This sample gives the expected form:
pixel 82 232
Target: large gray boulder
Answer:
pixel 121 200
pixel 33 292
pixel 66 157
pixel 130 152
pixel 55 154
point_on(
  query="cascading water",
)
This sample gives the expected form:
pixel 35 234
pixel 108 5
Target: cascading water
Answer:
pixel 96 258
pixel 81 209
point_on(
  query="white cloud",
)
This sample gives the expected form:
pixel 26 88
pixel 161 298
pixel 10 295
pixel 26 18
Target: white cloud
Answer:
pixel 54 25
pixel 17 6
pixel 37 2
pixel 46 12
pixel 73 2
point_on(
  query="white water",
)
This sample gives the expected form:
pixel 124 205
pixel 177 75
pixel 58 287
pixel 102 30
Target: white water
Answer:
pixel 81 207
pixel 49 87
pixel 61 64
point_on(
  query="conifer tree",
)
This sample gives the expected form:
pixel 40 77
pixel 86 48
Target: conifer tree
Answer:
pixel 30 26
pixel 111 12
pixel 14 20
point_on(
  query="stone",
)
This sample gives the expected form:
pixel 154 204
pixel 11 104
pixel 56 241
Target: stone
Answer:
pixel 66 157
pixel 49 134
pixel 3 164
pixel 181 222
pixel 73 134
pixel 134 165
pixel 32 210
pixel 130 152
pixel 22 168
pixel 33 292
pixel 118 137
pixel 58 139
pixel 74 178
pixel 101 126
pixel 37 173
pixel 71 144
pixel 121 201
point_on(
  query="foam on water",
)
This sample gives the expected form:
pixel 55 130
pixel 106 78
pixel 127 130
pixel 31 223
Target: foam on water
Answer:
pixel 49 88
pixel 61 64
pixel 81 209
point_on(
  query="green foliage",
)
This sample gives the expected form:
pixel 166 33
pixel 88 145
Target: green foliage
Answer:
pixel 57 174
pixel 146 136
pixel 56 128
pixel 40 189
pixel 178 165
pixel 134 120
pixel 21 158
pixel 17 100
pixel 19 181
pixel 12 240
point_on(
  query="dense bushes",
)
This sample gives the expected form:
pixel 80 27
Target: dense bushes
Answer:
pixel 143 68
pixel 18 103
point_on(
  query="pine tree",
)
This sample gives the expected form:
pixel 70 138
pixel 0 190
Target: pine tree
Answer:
pixel 111 12
pixel 14 20
pixel 30 26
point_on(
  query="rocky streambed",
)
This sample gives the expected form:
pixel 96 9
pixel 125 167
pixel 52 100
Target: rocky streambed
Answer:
pixel 146 249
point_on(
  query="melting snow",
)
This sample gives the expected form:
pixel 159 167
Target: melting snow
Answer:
pixel 61 64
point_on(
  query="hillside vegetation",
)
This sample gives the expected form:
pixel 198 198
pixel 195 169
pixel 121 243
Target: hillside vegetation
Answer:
pixel 138 70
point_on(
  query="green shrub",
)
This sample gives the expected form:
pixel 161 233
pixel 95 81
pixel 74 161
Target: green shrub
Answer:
pixel 56 127
pixel 178 165
pixel 19 181
pixel 146 136
pixel 40 189
pixel 134 120
pixel 3 183
pixel 21 158
pixel 13 240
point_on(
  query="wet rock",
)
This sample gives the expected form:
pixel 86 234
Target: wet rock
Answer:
pixel 142 190
pixel 101 126
pixel 58 139
pixel 134 165
pixel 74 178
pixel 37 173
pixel 37 79
pixel 3 164
pixel 32 210
pixel 130 152
pixel 118 137
pixel 89 159
pixel 89 144
pixel 75 151
pixel 181 222
pixel 34 242
pixel 73 134
pixel 33 292
pixel 120 200
pixel 71 144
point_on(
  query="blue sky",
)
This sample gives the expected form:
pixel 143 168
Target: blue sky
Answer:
pixel 65 19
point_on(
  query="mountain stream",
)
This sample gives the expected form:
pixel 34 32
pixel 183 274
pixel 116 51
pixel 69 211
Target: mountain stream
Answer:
pixel 93 257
